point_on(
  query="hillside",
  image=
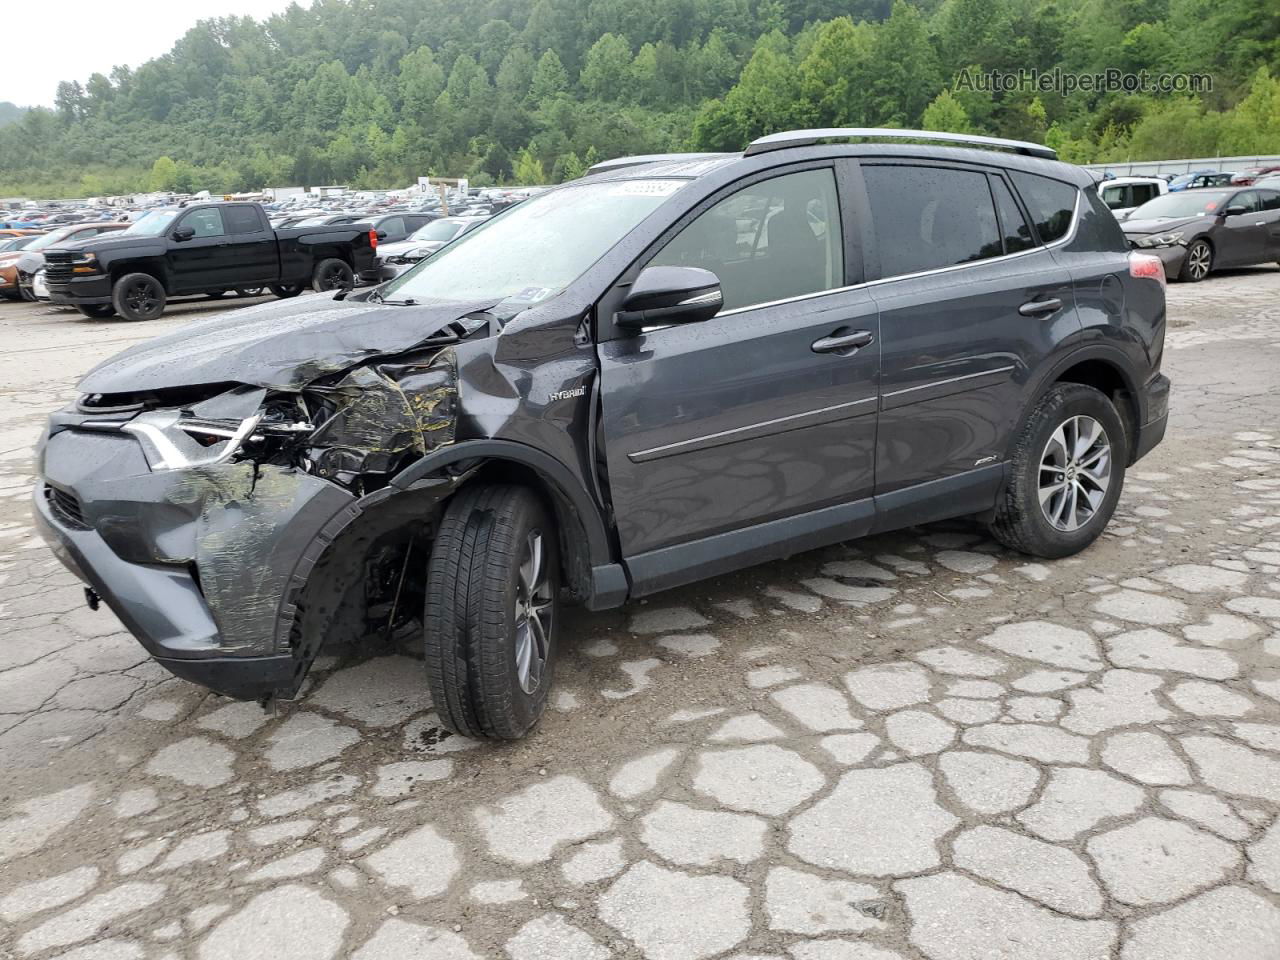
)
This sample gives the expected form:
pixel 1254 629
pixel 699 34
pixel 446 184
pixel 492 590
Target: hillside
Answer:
pixel 10 112
pixel 376 92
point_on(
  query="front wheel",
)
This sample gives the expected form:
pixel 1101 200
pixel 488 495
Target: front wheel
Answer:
pixel 1198 263
pixel 331 274
pixel 138 296
pixel 1065 476
pixel 491 614
pixel 286 290
pixel 97 311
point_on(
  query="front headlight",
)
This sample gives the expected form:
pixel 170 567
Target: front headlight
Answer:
pixel 87 263
pixel 171 441
pixel 1161 239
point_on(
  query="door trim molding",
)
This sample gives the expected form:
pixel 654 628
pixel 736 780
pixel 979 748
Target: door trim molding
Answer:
pixel 756 431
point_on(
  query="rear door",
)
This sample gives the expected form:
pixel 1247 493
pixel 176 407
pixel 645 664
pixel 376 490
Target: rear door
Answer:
pixel 721 426
pixel 970 304
pixel 249 251
pixel 1270 203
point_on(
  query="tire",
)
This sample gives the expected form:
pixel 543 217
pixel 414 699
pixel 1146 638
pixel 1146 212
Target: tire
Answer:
pixel 1020 521
pixel 331 274
pixel 138 296
pixel 97 311
pixel 286 290
pixel 250 292
pixel 476 590
pixel 216 294
pixel 1194 268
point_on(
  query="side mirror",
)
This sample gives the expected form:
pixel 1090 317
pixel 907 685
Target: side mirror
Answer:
pixel 382 234
pixel 1235 210
pixel 184 233
pixel 662 295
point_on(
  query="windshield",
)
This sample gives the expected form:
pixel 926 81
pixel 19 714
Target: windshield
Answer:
pixel 150 224
pixel 49 239
pixel 1176 205
pixel 534 250
pixel 437 230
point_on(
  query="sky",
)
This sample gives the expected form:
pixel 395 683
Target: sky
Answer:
pixel 92 36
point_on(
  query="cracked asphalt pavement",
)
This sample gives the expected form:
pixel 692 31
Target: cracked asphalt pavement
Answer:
pixel 915 747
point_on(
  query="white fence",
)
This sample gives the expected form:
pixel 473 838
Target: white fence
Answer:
pixel 1148 168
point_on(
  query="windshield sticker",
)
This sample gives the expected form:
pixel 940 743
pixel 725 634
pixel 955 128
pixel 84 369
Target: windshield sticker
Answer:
pixel 645 188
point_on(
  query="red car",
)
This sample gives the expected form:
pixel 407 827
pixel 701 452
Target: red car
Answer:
pixel 1249 175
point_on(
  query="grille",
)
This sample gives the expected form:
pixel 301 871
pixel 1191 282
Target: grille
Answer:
pixel 57 267
pixel 65 506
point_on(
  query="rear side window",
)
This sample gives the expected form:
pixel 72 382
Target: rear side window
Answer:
pixel 1142 192
pixel 242 220
pixel 1013 225
pixel 930 217
pixel 1270 200
pixel 1052 204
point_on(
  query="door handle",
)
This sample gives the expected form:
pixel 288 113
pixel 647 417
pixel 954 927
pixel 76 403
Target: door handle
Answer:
pixel 855 340
pixel 1034 307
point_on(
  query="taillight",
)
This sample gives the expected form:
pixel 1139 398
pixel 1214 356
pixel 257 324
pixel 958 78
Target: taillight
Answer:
pixel 1147 266
pixel 373 239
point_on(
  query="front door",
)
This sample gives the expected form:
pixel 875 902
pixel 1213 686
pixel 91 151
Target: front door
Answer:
pixel 1242 238
pixel 752 416
pixel 195 264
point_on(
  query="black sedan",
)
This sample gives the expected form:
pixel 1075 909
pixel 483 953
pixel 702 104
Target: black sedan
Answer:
pixel 1197 231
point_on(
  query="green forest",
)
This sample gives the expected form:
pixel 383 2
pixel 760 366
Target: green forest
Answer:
pixel 374 93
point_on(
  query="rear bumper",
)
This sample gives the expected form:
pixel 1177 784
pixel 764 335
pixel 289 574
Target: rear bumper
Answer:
pixel 1156 406
pixel 81 290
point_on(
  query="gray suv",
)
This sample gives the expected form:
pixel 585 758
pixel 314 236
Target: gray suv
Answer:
pixel 672 368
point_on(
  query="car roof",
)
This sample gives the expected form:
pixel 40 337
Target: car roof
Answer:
pixel 1121 181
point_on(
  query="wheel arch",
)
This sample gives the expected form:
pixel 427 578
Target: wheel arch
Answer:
pixel 152 267
pixel 1107 370
pixel 591 573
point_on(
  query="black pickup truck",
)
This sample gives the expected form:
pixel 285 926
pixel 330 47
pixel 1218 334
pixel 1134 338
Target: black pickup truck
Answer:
pixel 207 249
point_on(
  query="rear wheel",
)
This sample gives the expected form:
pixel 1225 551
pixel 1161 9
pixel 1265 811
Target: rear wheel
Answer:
pixel 331 274
pixel 138 296
pixel 97 311
pixel 286 290
pixel 249 292
pixel 1198 262
pixel 491 612
pixel 1066 474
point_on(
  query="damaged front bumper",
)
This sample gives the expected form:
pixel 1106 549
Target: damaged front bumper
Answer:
pixel 196 562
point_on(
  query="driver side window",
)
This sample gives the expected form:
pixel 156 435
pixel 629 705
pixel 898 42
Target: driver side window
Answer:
pixel 205 223
pixel 775 239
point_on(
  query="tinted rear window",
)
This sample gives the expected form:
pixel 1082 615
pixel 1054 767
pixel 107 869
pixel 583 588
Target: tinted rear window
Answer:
pixel 1051 203
pixel 930 217
pixel 242 220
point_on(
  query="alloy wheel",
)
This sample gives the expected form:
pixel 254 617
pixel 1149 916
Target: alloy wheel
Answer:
pixel 1075 472
pixel 1199 258
pixel 533 613
pixel 141 297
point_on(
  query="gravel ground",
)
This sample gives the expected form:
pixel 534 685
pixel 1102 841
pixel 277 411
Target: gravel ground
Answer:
pixel 915 747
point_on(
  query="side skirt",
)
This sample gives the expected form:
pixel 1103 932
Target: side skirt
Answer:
pixel 972 492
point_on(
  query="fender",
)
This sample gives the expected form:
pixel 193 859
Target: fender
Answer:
pixel 609 586
pixel 1112 356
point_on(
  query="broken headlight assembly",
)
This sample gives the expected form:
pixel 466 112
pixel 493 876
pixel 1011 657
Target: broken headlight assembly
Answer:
pixel 242 424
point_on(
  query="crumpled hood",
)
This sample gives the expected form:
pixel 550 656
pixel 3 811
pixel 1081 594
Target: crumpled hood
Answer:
pixel 282 345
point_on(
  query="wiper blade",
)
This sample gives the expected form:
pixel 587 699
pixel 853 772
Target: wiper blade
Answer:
pixel 399 303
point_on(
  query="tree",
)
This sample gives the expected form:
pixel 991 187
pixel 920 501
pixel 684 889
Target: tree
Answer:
pixel 945 113
pixel 528 168
pixel 164 174
pixel 549 78
pixel 606 71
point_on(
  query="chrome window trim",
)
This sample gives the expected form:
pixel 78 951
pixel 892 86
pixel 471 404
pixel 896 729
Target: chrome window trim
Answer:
pixel 1061 241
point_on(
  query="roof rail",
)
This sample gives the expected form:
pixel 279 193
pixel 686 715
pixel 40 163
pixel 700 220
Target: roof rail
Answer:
pixel 800 138
pixel 618 163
